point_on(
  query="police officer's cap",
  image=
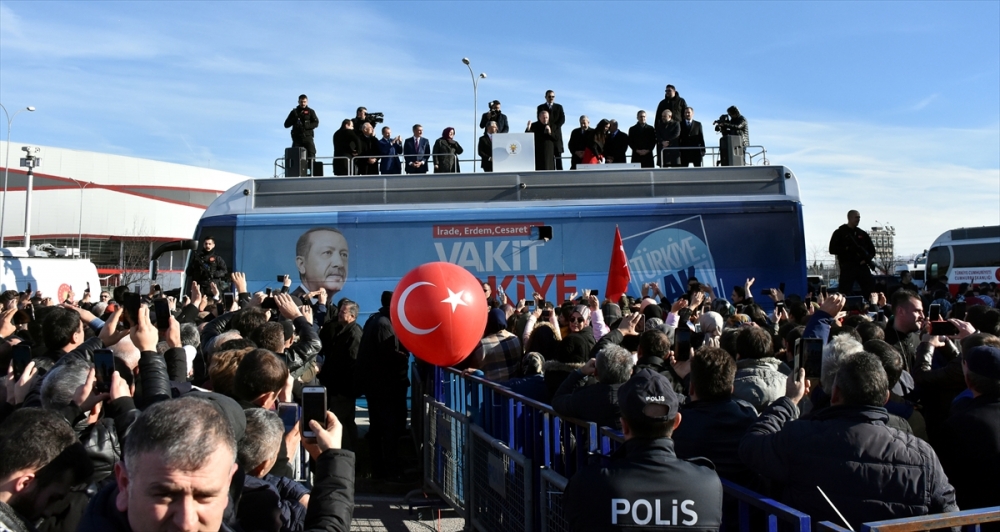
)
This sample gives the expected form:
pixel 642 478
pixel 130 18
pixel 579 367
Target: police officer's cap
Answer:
pixel 645 388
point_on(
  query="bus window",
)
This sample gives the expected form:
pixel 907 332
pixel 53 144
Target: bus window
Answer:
pixel 938 260
pixel 976 255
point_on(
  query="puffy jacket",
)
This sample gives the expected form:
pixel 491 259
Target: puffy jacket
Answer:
pixel 759 381
pixel 645 484
pixel 870 471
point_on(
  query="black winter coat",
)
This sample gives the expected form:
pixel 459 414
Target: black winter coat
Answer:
pixel 646 473
pixel 596 401
pixel 713 429
pixel 970 453
pixel 870 471
pixel 340 351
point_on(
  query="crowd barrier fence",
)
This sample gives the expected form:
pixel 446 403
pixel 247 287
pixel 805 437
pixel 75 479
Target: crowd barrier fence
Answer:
pixel 754 155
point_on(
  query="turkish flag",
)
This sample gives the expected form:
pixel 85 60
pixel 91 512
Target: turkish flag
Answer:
pixel 618 273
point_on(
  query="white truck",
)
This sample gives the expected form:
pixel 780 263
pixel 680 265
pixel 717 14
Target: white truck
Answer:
pixel 53 271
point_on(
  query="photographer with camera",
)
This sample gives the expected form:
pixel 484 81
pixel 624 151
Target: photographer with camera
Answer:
pixel 733 123
pixel 363 117
pixel 303 121
pixel 494 115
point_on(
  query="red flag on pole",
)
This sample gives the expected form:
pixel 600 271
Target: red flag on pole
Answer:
pixel 618 273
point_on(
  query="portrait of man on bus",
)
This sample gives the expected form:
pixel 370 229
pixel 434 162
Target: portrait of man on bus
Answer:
pixel 321 255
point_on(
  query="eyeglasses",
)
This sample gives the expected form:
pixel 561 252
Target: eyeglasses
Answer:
pixel 576 320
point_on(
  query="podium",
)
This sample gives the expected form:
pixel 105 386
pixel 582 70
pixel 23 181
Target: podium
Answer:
pixel 513 152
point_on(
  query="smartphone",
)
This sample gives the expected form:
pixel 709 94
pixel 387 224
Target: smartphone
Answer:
pixel 289 414
pixel 854 303
pixel 162 309
pixel 132 301
pixel 268 292
pixel 958 310
pixel 812 349
pixel 546 314
pixel 707 307
pixel 29 289
pixel 934 312
pixel 104 366
pixel 500 291
pixel 541 303
pixel 228 299
pixel 281 278
pixel 529 304
pixel 797 358
pixel 943 328
pixel 313 407
pixel 21 356
pixel 87 291
pixel 880 315
pixel 595 293
pixel 822 290
pixel 780 305
pixel 781 287
pixel 682 345
pixel 641 325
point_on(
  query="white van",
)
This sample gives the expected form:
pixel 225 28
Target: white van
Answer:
pixel 43 269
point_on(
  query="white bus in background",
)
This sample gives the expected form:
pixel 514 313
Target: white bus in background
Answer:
pixel 53 271
pixel 965 255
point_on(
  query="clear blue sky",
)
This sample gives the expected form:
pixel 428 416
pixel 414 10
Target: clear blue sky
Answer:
pixel 890 108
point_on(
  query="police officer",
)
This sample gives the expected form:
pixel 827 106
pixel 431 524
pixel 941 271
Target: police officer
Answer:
pixel 303 121
pixel 207 267
pixel 855 253
pixel 646 486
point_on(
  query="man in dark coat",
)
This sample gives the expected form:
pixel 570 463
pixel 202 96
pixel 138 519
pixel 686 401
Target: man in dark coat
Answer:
pixel 645 478
pixel 672 101
pixel 207 267
pixel 485 148
pixel 345 147
pixel 368 151
pixel 616 144
pixel 557 117
pixel 642 140
pixel 667 133
pixel 970 446
pixel 546 142
pixel 341 340
pixel 576 143
pixel 384 365
pixel 855 251
pixel 596 402
pixel 869 471
pixel 303 121
pixel 691 137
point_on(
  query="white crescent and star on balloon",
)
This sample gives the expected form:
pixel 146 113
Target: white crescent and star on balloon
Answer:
pixel 454 299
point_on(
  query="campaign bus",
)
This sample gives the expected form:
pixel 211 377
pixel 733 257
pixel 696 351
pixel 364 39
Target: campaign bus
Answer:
pixel 545 232
pixel 965 255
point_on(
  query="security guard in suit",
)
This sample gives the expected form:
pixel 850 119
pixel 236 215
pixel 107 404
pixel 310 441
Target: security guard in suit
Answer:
pixel 646 487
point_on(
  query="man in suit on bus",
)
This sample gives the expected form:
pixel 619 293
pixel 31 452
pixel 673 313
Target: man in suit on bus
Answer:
pixel 691 137
pixel 557 117
pixel 416 151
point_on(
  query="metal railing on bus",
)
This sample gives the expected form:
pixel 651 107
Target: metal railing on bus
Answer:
pixel 754 155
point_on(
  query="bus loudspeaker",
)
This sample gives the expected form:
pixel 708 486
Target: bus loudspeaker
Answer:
pixel 296 164
pixel 731 150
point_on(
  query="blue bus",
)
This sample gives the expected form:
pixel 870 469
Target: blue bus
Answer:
pixel 545 232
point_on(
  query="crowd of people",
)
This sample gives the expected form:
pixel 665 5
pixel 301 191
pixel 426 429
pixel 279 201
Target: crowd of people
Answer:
pixel 675 139
pixel 892 416
pixel 141 412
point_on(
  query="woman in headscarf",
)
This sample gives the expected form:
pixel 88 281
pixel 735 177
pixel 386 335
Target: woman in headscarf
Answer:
pixel 446 151
pixel 711 326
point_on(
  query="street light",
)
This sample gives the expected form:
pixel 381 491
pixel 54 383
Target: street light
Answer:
pixel 475 108
pixel 6 167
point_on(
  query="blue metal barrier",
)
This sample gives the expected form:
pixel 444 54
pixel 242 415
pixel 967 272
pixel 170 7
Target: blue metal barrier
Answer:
pixel 537 450
pixel 969 520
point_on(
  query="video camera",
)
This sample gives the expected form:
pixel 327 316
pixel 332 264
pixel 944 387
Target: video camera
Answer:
pixel 723 124
pixel 375 118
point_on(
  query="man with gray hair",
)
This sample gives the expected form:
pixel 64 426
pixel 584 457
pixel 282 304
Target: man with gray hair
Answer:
pixel 180 458
pixel 267 498
pixel 869 471
pixel 590 393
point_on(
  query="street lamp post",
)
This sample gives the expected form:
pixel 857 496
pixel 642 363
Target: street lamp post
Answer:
pixel 475 108
pixel 6 167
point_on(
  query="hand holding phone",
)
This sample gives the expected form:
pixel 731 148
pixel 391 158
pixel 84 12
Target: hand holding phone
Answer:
pixel 104 366
pixel 289 414
pixel 313 408
pixel 934 312
pixel 20 358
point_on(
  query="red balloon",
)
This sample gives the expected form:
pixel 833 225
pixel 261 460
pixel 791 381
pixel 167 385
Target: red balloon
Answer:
pixel 438 311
